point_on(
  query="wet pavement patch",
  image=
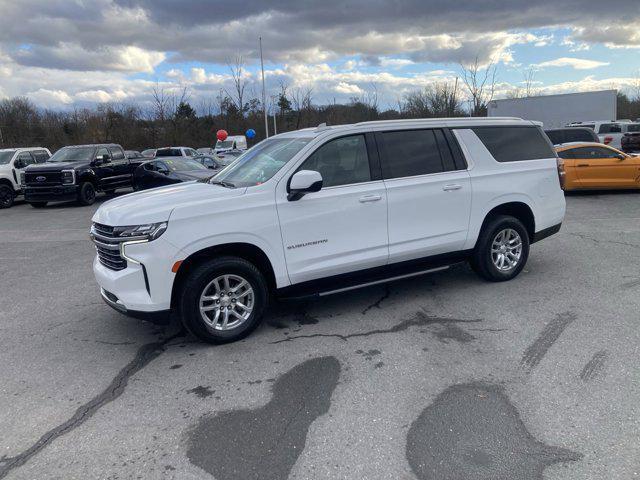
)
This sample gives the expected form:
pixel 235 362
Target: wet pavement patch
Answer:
pixel 472 431
pixel 265 443
pixel 201 391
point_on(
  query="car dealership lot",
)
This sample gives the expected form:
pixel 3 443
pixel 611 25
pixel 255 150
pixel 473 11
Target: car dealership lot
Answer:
pixel 445 373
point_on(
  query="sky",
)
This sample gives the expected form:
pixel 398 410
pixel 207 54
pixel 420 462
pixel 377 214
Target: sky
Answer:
pixel 64 54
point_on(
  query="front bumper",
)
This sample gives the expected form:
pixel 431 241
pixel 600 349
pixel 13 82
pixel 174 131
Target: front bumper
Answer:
pixel 159 317
pixel 145 285
pixel 55 193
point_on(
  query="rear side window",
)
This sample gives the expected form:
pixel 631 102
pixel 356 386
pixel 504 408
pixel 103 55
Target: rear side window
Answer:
pixel 116 153
pixel 411 152
pixel 580 135
pixel 556 136
pixel 514 144
pixel 41 156
pixel 634 127
pixel 610 128
pixel 342 161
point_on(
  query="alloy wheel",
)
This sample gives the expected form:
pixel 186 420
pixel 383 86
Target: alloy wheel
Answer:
pixel 226 302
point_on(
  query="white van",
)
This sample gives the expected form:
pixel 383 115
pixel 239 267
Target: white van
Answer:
pixel 232 142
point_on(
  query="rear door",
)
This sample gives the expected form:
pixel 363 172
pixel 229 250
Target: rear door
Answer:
pixel 428 190
pixel 121 167
pixel 343 227
pixel 601 167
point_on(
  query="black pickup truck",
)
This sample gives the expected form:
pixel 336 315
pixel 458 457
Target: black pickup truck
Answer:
pixel 77 173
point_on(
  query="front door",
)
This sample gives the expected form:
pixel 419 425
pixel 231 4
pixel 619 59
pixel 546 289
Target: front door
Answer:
pixel 343 227
pixel 602 167
pixel 429 194
pixel 22 161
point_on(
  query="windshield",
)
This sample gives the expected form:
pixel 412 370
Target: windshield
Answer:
pixel 73 154
pixel 225 144
pixel 260 163
pixel 168 152
pixel 184 165
pixel 6 156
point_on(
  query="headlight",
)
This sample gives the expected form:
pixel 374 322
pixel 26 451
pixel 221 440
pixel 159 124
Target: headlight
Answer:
pixel 149 231
pixel 68 177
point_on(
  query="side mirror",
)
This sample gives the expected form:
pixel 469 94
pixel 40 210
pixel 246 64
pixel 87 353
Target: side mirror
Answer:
pixel 19 163
pixel 621 156
pixel 303 182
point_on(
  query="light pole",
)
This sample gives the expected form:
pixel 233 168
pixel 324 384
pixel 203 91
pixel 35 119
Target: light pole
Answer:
pixel 264 102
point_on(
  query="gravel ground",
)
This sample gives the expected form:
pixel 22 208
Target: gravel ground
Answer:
pixel 443 376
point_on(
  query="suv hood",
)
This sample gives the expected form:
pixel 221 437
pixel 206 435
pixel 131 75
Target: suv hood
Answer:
pixel 156 205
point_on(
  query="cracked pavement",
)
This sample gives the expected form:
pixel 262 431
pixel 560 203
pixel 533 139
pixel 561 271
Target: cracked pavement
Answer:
pixel 537 377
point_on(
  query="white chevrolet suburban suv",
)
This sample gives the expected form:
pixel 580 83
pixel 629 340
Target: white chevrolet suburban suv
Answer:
pixel 325 210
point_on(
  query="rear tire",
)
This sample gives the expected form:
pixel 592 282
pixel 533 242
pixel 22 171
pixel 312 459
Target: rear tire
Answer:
pixel 216 295
pixel 38 204
pixel 502 249
pixel 7 196
pixel 87 194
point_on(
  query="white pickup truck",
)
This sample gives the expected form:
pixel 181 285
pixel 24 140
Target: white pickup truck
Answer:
pixel 610 132
pixel 325 210
pixel 12 163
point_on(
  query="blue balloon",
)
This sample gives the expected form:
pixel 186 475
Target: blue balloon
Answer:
pixel 251 133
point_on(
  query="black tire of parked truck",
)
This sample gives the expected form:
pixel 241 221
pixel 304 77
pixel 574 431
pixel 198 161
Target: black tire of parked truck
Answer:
pixel 38 204
pixel 501 232
pixel 206 293
pixel 86 194
pixel 7 196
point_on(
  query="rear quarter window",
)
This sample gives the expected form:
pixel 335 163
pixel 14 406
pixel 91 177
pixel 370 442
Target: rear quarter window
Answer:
pixel 515 144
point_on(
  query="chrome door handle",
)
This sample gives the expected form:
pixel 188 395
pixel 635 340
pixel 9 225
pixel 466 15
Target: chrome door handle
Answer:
pixel 452 186
pixel 370 198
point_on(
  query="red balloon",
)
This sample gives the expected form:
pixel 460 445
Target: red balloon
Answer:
pixel 222 135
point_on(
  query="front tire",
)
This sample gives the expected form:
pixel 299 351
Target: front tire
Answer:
pixel 502 249
pixel 87 194
pixel 7 196
pixel 223 300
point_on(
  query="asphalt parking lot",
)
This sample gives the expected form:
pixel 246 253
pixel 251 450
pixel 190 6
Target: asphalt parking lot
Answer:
pixel 443 376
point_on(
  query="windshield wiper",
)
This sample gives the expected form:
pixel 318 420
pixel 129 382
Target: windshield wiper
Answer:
pixel 223 183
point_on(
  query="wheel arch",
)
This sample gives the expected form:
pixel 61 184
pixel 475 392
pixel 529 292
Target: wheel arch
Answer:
pixel 6 181
pixel 88 177
pixel 246 251
pixel 517 209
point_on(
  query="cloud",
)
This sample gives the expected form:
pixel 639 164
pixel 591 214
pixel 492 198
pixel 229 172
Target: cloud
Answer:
pixel 576 63
pixel 71 56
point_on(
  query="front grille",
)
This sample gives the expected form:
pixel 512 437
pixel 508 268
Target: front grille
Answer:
pixel 108 247
pixel 50 178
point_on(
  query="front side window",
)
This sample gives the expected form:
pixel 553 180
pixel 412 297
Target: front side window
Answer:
pixel 261 162
pixel 26 158
pixel 567 154
pixel 6 156
pixel 341 161
pixel 101 152
pixel 594 153
pixel 411 152
pixel 514 144
pixel 74 154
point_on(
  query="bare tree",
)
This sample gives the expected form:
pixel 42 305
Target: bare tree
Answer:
pixel 239 83
pixel 302 103
pixel 481 85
